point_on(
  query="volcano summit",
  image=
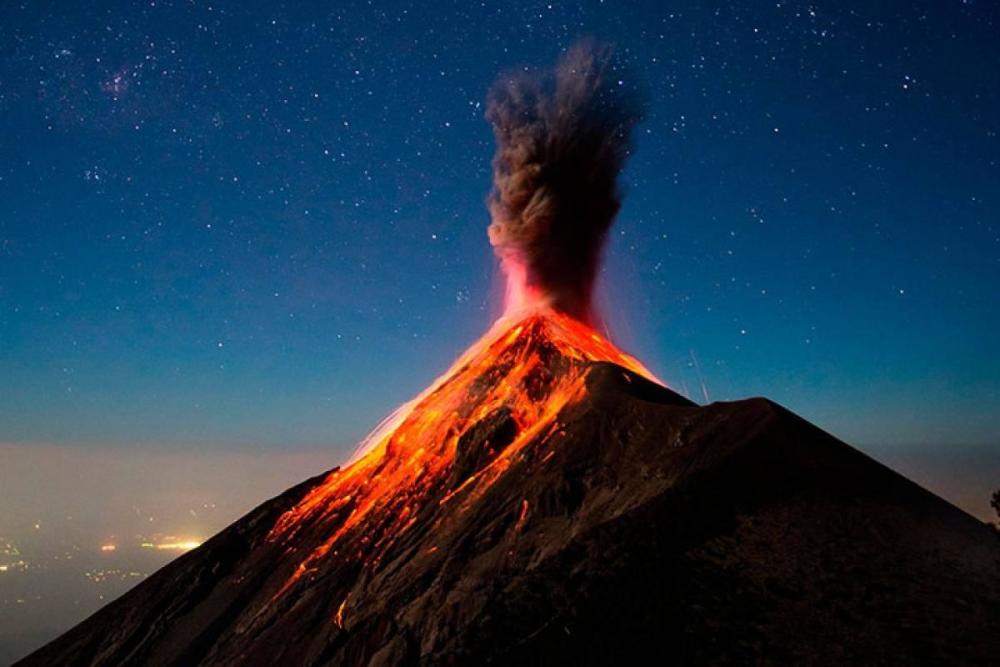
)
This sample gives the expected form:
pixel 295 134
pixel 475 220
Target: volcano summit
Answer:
pixel 549 501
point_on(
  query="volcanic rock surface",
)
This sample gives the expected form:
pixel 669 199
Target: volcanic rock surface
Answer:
pixel 546 502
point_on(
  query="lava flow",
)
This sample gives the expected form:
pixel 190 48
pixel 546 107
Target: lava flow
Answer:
pixel 513 383
pixel 562 138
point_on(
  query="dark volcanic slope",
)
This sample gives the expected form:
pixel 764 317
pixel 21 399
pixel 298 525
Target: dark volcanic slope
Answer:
pixel 642 528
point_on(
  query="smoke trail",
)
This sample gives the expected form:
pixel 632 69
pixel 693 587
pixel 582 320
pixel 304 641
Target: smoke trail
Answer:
pixel 562 139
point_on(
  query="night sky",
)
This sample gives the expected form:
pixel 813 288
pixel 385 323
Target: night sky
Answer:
pixel 226 226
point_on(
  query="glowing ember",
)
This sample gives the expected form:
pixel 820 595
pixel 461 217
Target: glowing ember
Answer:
pixel 521 375
pixel 339 618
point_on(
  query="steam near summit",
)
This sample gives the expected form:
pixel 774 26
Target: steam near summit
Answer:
pixel 562 138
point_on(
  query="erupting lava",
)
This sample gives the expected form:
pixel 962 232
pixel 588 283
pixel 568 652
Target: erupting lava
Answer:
pixel 513 383
pixel 562 139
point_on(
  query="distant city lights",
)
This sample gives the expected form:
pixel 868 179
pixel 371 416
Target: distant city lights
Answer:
pixel 179 545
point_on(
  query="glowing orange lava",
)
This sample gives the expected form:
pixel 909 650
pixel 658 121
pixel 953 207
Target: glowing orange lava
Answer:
pixel 529 366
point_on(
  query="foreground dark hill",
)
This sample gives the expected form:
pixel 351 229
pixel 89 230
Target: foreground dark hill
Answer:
pixel 541 505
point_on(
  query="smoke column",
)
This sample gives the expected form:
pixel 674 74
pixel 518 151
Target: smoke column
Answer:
pixel 562 138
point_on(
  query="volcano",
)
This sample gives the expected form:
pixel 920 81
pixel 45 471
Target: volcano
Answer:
pixel 548 501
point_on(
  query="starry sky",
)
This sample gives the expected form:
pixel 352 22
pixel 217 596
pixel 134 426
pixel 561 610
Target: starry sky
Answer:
pixel 258 225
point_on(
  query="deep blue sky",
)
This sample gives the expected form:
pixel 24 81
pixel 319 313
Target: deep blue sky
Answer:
pixel 234 226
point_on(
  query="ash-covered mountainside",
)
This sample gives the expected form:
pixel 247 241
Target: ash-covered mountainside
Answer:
pixel 545 503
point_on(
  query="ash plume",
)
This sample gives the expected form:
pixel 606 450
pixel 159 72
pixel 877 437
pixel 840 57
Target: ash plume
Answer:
pixel 562 138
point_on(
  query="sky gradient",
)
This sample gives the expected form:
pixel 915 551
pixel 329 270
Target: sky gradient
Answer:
pixel 234 227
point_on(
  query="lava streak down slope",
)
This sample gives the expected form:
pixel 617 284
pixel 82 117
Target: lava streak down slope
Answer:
pixel 547 502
